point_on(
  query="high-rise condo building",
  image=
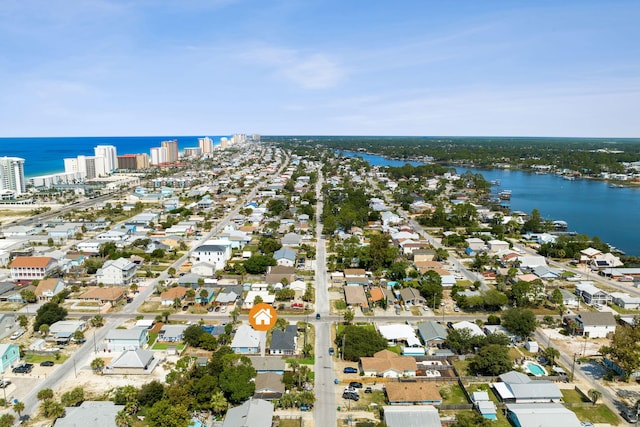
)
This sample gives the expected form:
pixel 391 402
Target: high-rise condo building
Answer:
pixel 205 144
pixel 87 166
pixel 158 155
pixel 172 150
pixel 110 154
pixel 133 161
pixel 12 175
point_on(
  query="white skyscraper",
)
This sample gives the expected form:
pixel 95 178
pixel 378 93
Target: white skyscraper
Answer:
pixel 12 175
pixel 110 154
pixel 158 155
pixel 87 166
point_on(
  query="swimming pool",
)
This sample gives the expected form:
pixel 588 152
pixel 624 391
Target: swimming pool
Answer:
pixel 535 369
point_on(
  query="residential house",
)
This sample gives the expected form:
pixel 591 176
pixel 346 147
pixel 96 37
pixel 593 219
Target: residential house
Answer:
pixel 411 296
pixel 515 387
pixel 114 236
pixel 388 364
pixel 216 252
pixel 399 333
pixel 249 300
pixel 285 257
pixel 62 331
pixel 8 324
pixel 62 233
pixel 473 329
pixel 90 413
pixel 476 244
pixel 47 288
pixel 484 405
pixel 269 364
pixel 28 268
pixel 269 386
pixel 433 334
pixel 126 339
pixel 412 393
pixel 424 266
pixel 409 416
pixel 496 246
pixel 204 298
pixel 569 299
pixel 596 325
pixel 422 255
pixel 9 356
pixel 103 295
pixel 171 333
pixel 591 294
pixel 119 272
pixel 226 297
pixel 355 297
pixel 625 300
pixel 89 247
pixel 168 297
pixel 204 269
pixel 278 273
pixel 132 362
pixel 253 412
pixel 246 340
pixel 284 342
pixel 290 240
pixel 541 415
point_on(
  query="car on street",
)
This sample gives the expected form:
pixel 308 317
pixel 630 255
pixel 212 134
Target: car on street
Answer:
pixel 350 370
pixel 25 368
pixel 331 351
pixel 47 363
pixel 355 384
pixel 317 316
pixel 425 308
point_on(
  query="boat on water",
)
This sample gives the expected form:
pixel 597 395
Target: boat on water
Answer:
pixel 505 195
pixel 495 182
pixel 616 186
pixel 569 178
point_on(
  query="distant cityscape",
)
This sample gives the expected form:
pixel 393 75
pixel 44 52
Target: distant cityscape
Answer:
pixel 104 162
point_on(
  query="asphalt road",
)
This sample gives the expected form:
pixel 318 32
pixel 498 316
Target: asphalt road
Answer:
pixel 325 407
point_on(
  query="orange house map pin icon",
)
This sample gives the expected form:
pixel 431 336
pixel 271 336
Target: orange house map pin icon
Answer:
pixel 262 317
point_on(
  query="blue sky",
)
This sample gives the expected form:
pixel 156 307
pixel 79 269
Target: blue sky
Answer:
pixel 319 67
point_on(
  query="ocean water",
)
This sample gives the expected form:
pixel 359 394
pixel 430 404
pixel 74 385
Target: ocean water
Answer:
pixel 45 155
pixel 588 206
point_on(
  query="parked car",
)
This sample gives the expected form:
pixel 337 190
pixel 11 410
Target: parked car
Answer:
pixel 47 363
pixel 350 396
pixel 331 351
pixel 368 390
pixel 350 370
pixel 355 384
pixel 4 383
pixel 25 368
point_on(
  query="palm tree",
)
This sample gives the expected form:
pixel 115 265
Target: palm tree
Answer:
pixel 7 420
pixel 235 313
pixel 134 287
pixel 551 354
pixel 44 330
pixel 97 321
pixel 348 316
pixel 594 395
pixel 218 402
pixel 18 407
pixel 165 315
pixel 123 419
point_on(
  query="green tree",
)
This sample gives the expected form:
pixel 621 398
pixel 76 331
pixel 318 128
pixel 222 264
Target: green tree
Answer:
pixel 551 353
pixel 624 348
pixel 7 420
pixel 491 360
pixel 171 271
pixel 23 320
pixel 166 414
pixel 150 393
pixel 48 314
pixel 28 295
pixel 97 321
pixel 494 300
pixel 218 403
pixel 236 378
pixel 18 407
pixel 258 264
pixel 45 393
pixel 73 398
pixel 97 365
pixel 520 322
pixel 460 340
pixel 191 335
pixel 78 336
pixel 594 395
pixel 124 419
pixel 204 294
pixel 348 316
pixel 556 297
pixel 268 245
pixel 52 409
pixel 359 342
pixel 44 330
pixel 471 419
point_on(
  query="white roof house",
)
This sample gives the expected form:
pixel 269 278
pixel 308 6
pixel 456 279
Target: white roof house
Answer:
pixel 246 340
pixel 411 416
pixel 400 332
pixel 474 329
pixel 117 272
pixel 541 415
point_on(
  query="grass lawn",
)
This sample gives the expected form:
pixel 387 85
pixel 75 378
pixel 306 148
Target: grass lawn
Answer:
pixel 572 396
pixel 452 394
pixel 37 358
pixel 596 414
pixel 290 423
pixel 165 345
pixel 483 387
